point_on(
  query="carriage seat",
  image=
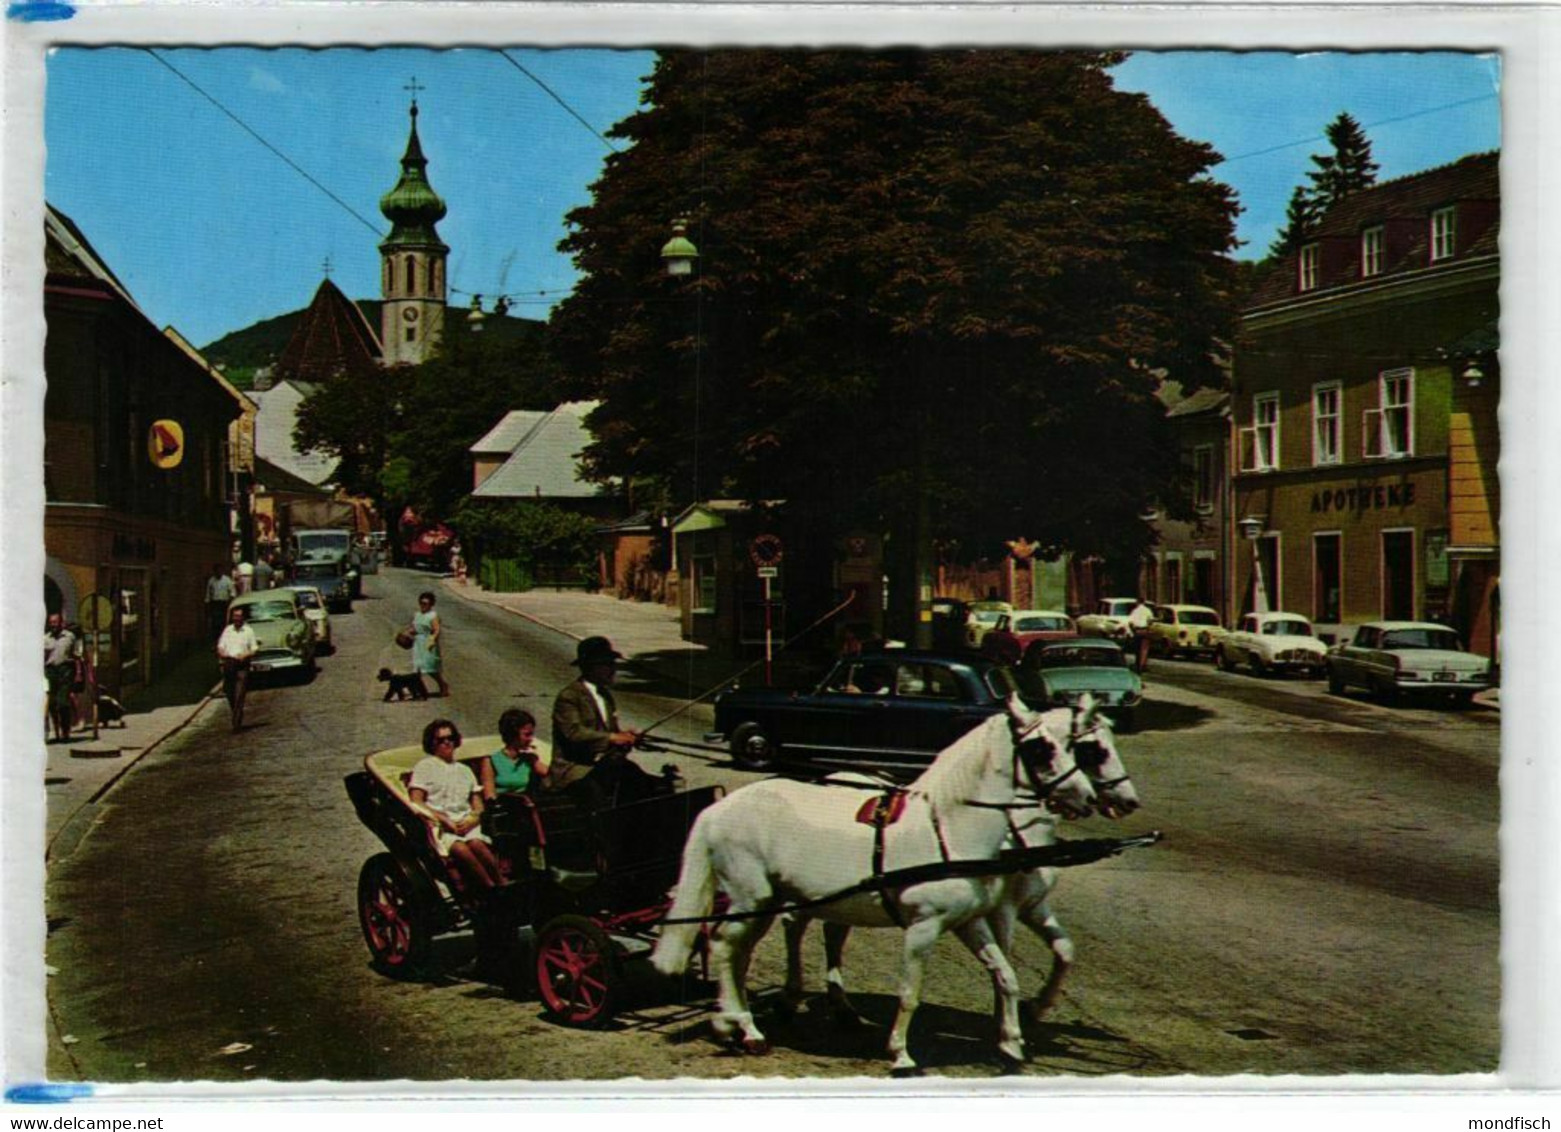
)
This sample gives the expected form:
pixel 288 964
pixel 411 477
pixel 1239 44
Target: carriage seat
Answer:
pixel 393 768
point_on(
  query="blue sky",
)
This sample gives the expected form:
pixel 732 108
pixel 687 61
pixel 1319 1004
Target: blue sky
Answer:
pixel 211 231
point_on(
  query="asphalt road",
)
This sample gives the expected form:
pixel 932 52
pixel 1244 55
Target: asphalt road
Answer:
pixel 1325 901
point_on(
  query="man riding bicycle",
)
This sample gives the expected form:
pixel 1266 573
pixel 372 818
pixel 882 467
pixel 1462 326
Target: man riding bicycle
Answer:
pixel 235 649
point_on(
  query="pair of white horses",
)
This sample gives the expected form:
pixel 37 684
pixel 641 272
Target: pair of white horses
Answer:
pixel 780 843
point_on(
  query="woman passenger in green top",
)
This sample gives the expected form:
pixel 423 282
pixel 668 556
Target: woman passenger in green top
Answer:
pixel 515 768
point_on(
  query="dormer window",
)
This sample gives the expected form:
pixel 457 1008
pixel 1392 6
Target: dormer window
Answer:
pixel 1371 252
pixel 1311 258
pixel 1444 233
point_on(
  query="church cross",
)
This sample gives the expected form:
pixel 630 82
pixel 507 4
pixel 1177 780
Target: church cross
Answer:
pixel 326 267
pixel 414 86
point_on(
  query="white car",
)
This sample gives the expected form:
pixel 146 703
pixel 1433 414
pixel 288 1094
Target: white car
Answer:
pixel 312 602
pixel 1421 658
pixel 983 618
pixel 1272 642
pixel 1109 619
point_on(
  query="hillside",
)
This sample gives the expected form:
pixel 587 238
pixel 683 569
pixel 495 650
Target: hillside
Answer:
pixel 239 354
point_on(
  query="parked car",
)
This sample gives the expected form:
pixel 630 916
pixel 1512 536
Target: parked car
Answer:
pixel 1418 658
pixel 312 602
pixel 1181 629
pixel 286 641
pixel 1014 632
pixel 333 580
pixel 1108 619
pixel 1061 672
pixel 1272 642
pixel 983 617
pixel 896 709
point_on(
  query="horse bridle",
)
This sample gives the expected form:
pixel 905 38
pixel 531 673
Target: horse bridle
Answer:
pixel 1024 756
pixel 1076 737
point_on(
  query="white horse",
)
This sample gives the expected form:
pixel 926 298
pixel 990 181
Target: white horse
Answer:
pixel 779 842
pixel 1089 734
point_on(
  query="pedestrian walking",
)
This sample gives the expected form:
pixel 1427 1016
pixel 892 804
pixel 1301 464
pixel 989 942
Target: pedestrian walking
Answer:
pixel 1138 621
pixel 427 653
pixel 264 573
pixel 235 649
pixel 59 667
pixel 244 577
pixel 219 591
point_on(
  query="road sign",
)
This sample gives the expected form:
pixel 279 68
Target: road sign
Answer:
pixel 766 550
pixel 769 571
pixel 96 613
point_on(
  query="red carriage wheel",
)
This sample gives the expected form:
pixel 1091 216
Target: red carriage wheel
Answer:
pixel 395 916
pixel 577 972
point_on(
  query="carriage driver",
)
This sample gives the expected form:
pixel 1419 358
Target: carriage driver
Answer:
pixel 590 747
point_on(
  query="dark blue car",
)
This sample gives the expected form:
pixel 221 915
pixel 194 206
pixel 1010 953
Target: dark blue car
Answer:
pixel 895 708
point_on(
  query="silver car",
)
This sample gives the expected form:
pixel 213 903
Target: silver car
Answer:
pixel 1418 658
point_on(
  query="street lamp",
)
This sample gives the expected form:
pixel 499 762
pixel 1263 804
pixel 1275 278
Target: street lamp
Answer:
pixel 1252 530
pixel 679 253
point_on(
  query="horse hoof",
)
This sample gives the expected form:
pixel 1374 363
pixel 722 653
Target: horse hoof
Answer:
pixel 754 1047
pixel 901 1072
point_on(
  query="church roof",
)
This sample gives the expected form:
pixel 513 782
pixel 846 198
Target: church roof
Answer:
pixel 332 338
pixel 545 462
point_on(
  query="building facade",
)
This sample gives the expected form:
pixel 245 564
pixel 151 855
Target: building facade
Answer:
pixel 1356 425
pixel 136 450
pixel 1189 563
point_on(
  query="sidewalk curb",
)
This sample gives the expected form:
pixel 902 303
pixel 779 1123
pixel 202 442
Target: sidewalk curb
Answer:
pixel 533 618
pixel 74 819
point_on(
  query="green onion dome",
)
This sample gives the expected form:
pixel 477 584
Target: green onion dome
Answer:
pixel 412 207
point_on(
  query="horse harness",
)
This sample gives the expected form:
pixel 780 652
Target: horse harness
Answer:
pixel 880 813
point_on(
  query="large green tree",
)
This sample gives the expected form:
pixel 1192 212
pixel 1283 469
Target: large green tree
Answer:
pixel 1347 169
pixel 402 434
pixel 984 259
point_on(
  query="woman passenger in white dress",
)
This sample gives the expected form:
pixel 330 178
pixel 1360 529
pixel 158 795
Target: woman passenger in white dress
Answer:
pixel 449 797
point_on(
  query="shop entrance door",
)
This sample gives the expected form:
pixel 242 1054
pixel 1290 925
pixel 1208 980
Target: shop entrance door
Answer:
pixel 1398 575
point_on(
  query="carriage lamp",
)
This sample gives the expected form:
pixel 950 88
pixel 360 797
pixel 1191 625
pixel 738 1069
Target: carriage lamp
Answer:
pixel 679 253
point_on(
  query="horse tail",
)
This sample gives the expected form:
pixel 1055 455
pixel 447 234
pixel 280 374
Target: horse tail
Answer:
pixel 695 897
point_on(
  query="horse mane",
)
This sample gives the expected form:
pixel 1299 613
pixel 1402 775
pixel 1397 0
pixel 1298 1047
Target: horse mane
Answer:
pixel 955 775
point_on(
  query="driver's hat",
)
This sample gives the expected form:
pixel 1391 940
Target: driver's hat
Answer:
pixel 596 650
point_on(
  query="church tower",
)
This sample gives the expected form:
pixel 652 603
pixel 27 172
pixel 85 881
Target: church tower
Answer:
pixel 412 259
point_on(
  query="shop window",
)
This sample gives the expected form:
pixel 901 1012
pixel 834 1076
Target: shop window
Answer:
pixel 1388 431
pixel 1325 423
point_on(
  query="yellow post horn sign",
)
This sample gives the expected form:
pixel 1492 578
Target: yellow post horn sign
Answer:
pixel 165 443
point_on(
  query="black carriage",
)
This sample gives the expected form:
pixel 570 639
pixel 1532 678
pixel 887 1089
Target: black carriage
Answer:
pixel 591 884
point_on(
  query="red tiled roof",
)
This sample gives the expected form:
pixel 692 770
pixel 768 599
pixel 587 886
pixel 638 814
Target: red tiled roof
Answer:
pixel 1470 180
pixel 332 338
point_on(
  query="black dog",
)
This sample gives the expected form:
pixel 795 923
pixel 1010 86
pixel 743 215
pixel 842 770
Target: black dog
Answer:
pixel 110 710
pixel 402 686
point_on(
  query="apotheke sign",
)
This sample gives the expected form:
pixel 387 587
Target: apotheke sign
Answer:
pixel 1381 497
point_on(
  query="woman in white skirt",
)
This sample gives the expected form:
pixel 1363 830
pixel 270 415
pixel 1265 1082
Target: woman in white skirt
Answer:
pixel 447 793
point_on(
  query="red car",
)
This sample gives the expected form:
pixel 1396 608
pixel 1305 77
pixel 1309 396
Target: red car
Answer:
pixel 1015 632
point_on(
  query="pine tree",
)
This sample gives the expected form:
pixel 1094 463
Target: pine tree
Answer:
pixel 1300 218
pixel 1348 169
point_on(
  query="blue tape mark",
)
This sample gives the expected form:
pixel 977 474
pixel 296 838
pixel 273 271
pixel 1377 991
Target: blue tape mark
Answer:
pixel 46 1093
pixel 31 11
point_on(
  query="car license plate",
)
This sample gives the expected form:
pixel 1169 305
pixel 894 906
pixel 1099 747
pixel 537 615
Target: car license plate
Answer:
pixel 260 668
pixel 1447 677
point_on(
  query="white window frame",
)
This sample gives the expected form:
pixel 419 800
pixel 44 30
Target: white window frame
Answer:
pixel 1308 267
pixel 1333 420
pixel 1251 437
pixel 1204 502
pixel 1371 245
pixel 1444 233
pixel 1376 436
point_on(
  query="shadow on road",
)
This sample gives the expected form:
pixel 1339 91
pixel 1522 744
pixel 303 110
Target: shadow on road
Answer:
pixel 1153 716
